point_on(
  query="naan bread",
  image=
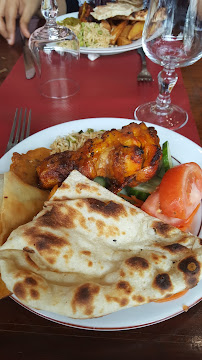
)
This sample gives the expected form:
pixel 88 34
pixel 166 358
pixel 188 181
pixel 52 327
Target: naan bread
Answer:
pixel 137 3
pixel 135 16
pixel 113 9
pixel 89 253
pixel 141 15
pixel 19 203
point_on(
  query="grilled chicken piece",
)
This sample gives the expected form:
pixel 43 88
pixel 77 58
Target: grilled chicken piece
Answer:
pixel 126 157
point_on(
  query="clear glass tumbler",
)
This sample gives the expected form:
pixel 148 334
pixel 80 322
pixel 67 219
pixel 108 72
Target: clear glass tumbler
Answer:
pixel 56 54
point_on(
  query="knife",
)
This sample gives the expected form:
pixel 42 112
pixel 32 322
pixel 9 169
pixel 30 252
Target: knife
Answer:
pixel 28 60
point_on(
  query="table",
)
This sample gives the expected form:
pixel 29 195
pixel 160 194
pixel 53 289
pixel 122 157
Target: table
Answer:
pixel 24 335
pixel 192 77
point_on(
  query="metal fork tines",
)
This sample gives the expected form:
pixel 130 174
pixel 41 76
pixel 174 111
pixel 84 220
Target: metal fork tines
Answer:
pixel 144 74
pixel 20 128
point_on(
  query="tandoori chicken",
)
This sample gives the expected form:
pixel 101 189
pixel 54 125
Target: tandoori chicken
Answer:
pixel 126 157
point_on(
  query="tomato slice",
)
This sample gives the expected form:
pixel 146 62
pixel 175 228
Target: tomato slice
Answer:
pixel 180 190
pixel 152 207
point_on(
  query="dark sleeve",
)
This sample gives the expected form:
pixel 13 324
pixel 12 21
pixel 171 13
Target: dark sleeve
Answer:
pixel 72 5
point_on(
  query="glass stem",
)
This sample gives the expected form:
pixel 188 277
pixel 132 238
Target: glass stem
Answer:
pixel 49 10
pixel 167 79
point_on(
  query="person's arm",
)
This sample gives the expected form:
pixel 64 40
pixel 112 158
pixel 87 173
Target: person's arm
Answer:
pixel 25 9
pixel 10 10
pixel 62 6
pixel 200 9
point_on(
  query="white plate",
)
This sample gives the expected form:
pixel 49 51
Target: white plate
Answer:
pixel 183 150
pixel 103 51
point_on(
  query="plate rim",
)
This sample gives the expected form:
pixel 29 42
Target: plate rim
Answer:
pixel 84 122
pixel 76 326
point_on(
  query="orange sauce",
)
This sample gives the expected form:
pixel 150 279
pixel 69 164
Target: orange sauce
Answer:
pixel 188 222
pixel 172 297
pixel 54 189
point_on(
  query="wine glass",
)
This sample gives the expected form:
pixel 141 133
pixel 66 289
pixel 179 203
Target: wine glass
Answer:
pixel 172 37
pixel 56 53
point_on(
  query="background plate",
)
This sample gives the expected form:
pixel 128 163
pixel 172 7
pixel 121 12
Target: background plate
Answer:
pixel 103 51
pixel 183 150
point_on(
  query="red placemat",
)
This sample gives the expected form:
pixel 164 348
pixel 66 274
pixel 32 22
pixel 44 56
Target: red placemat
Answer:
pixel 108 88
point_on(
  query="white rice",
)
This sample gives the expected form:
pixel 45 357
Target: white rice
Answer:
pixel 73 141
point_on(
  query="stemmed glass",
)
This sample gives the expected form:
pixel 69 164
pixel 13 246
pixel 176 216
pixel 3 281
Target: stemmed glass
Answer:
pixel 172 37
pixel 56 53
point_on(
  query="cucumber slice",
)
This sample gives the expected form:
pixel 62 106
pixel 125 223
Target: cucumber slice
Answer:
pixel 142 191
pixel 139 193
pixel 167 159
pixel 101 180
pixel 161 170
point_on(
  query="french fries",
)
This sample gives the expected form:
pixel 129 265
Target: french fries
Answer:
pixel 153 27
pixel 106 25
pixel 121 41
pixel 136 31
pixel 116 31
pixel 124 32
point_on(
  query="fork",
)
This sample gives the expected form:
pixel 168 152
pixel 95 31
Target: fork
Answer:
pixel 18 131
pixel 144 74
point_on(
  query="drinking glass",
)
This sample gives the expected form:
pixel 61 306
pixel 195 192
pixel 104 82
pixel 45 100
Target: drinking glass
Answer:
pixel 172 37
pixel 56 53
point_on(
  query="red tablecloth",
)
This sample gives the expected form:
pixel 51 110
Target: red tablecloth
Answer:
pixel 108 88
